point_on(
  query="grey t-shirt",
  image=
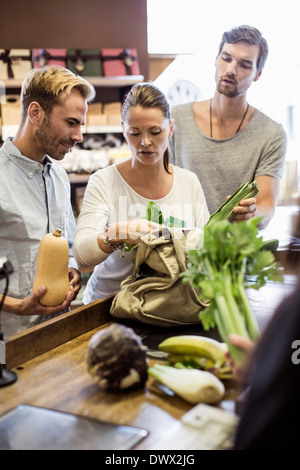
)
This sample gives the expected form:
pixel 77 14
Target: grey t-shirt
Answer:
pixel 223 165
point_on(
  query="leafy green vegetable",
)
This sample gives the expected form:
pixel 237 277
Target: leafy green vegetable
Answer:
pixel 225 211
pixel 154 213
pixel 221 269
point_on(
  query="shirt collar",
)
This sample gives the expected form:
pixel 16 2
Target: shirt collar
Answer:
pixel 27 165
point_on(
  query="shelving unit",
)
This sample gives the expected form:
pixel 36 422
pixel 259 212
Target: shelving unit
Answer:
pixel 108 129
pixel 103 82
pixel 108 89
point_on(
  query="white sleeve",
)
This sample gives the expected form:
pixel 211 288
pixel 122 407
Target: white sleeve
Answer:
pixel 92 220
pixel 202 213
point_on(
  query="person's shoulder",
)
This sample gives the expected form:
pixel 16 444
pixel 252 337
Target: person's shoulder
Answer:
pixel 178 109
pixel 105 172
pixel 103 176
pixel 263 119
pixel 185 173
pixel 6 148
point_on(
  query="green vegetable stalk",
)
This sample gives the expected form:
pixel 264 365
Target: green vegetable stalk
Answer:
pixel 154 214
pixel 225 211
pixel 221 270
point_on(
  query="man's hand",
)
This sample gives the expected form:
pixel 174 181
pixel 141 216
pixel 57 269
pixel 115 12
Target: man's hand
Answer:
pixel 31 305
pixel 245 210
pixel 248 347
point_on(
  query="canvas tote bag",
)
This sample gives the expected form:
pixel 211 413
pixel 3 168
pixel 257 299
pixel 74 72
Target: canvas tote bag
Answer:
pixel 155 293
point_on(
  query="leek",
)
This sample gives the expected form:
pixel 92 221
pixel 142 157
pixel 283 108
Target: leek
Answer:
pixel 225 211
pixel 154 214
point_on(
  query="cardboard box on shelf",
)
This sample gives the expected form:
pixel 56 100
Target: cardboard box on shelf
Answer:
pixel 113 119
pixel 10 99
pixel 15 63
pixel 84 62
pixel 10 117
pixel 96 120
pixel 95 116
pixel 119 62
pixel 112 108
pixel 10 113
pixel 43 57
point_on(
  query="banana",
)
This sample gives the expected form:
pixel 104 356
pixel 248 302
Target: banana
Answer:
pixel 195 361
pixel 193 345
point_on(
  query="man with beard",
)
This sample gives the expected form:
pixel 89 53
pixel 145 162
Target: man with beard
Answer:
pixel 35 190
pixel 225 140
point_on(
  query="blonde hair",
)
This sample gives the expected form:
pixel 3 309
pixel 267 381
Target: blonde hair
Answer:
pixel 46 84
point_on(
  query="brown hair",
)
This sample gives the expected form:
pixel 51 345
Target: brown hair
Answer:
pixel 250 35
pixel 148 95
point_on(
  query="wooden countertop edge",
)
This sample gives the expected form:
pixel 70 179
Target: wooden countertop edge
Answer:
pixel 39 339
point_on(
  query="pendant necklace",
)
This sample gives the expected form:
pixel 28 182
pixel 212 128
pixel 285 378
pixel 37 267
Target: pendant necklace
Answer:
pixel 210 118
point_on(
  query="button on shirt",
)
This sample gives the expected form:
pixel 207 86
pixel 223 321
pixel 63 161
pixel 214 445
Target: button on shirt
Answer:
pixel 34 201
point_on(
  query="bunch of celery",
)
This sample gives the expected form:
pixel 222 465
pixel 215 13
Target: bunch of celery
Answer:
pixel 221 269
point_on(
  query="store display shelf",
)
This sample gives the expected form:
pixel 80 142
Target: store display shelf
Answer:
pixel 107 129
pixel 120 81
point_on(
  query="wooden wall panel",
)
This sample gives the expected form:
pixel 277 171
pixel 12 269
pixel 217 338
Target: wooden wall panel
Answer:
pixel 76 24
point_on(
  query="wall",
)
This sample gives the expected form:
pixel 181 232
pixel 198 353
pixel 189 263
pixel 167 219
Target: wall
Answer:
pixel 158 63
pixel 75 24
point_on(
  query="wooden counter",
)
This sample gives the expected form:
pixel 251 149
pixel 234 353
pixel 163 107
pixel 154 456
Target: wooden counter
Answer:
pixel 49 360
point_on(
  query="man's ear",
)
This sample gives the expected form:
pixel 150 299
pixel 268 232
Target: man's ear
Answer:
pixel 172 125
pixel 35 113
pixel 257 76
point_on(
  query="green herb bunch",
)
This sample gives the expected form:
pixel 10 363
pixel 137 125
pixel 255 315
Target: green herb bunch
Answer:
pixel 233 258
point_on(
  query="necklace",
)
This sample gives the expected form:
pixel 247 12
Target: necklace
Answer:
pixel 210 118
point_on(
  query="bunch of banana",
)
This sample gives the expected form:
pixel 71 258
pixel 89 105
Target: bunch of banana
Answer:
pixel 198 352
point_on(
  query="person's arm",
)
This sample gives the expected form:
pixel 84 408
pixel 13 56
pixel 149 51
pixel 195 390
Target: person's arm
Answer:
pixel 98 211
pixel 31 305
pixel 129 231
pixel 248 347
pixel 264 203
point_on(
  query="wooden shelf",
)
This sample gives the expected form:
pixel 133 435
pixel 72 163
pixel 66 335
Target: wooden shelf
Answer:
pixel 121 81
pixel 108 129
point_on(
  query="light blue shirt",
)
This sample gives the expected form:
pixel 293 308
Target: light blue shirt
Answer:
pixel 34 201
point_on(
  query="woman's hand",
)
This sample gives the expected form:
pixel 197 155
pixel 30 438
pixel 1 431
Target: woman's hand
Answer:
pixel 129 231
pixel 138 228
pixel 75 281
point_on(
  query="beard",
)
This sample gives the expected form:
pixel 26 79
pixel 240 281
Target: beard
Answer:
pixel 225 90
pixel 49 142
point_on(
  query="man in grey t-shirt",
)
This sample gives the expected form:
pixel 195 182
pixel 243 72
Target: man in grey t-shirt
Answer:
pixel 226 141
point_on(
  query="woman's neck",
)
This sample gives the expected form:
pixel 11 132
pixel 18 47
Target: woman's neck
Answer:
pixel 152 182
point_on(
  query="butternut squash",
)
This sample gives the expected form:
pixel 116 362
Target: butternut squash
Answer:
pixel 52 268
